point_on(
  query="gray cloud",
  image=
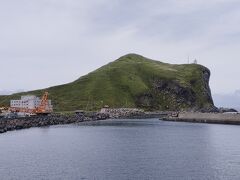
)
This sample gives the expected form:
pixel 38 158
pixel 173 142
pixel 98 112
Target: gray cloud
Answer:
pixel 50 42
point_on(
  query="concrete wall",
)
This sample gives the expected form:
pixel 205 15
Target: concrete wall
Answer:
pixel 210 116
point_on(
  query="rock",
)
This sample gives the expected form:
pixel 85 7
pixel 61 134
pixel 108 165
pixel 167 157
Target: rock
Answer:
pixel 122 112
pixel 224 110
pixel 40 121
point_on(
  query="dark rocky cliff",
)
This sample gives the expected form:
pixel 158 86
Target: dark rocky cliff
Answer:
pixel 171 95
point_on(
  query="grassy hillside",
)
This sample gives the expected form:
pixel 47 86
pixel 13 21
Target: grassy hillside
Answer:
pixel 133 81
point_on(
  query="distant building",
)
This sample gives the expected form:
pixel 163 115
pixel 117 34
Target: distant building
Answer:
pixel 104 109
pixel 29 101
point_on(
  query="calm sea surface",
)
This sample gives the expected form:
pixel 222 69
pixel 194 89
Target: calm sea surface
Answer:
pixel 122 150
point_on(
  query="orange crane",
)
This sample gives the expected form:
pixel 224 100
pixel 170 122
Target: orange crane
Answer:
pixel 42 109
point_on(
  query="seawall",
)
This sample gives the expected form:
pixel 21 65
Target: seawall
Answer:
pixel 213 118
pixel 130 113
pixel 40 121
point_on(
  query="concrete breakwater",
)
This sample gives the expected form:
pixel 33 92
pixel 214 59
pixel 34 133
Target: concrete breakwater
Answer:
pixel 40 121
pixel 130 113
pixel 212 118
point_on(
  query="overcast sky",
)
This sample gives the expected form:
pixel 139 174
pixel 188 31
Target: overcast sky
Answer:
pixel 51 42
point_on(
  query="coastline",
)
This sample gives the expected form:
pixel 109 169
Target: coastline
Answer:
pixel 11 124
pixel 59 119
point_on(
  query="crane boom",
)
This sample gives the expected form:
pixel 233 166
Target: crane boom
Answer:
pixel 44 105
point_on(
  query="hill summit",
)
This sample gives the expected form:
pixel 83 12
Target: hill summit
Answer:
pixel 134 81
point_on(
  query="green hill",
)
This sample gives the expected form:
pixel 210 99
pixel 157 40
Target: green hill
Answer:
pixel 133 81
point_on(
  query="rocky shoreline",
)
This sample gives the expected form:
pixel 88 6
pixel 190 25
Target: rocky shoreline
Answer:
pixel 131 113
pixel 41 121
pixel 7 124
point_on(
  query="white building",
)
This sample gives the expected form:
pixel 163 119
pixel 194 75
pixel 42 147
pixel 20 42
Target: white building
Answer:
pixel 30 102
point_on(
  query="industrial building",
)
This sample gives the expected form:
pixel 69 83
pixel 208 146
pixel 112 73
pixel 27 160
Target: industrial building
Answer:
pixel 29 102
